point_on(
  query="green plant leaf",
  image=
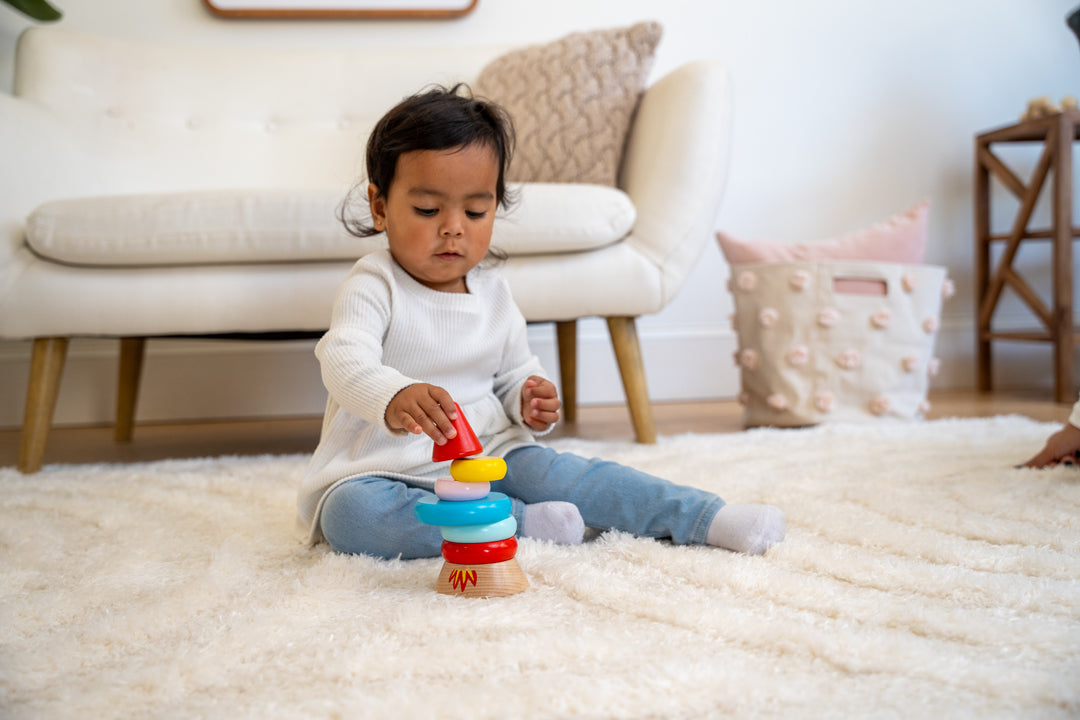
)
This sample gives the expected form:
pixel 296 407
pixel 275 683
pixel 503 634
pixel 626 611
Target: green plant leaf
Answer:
pixel 37 9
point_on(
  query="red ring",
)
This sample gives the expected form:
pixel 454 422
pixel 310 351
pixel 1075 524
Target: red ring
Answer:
pixel 479 553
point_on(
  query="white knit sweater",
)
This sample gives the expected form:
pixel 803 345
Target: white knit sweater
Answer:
pixel 387 332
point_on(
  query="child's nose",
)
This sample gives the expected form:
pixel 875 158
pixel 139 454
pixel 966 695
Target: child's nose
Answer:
pixel 452 225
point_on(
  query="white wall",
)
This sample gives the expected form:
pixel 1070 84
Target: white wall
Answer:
pixel 847 111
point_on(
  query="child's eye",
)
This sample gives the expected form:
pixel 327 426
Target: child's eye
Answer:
pixel 475 215
pixel 426 212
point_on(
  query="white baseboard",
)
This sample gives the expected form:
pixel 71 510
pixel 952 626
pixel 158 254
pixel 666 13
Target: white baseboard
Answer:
pixel 207 379
pixel 204 379
pixel 181 380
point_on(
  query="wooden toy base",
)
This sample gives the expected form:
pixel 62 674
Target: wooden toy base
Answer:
pixel 491 580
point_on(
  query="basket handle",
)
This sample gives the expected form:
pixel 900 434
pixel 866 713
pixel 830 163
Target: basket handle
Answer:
pixel 852 284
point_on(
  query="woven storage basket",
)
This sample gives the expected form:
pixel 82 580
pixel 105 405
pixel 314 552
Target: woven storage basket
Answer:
pixel 828 341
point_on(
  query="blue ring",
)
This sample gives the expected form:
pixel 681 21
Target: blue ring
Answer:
pixel 491 532
pixel 492 508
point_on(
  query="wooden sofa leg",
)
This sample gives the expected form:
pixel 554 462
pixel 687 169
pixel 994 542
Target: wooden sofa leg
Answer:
pixel 46 367
pixel 624 340
pixel 566 337
pixel 132 350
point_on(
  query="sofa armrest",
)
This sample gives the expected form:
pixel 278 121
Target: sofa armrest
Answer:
pixel 42 161
pixel 676 164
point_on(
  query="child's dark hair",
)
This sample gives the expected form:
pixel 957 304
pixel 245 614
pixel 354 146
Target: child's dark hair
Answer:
pixel 438 118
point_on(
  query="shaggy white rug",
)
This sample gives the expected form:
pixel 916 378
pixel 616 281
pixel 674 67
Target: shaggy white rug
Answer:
pixel 922 577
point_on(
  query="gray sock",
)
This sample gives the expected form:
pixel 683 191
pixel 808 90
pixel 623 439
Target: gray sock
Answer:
pixel 750 529
pixel 555 521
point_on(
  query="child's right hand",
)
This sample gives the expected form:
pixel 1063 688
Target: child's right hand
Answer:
pixel 423 408
pixel 1062 445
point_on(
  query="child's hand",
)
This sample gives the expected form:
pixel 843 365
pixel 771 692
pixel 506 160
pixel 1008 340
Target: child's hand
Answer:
pixel 1062 445
pixel 423 408
pixel 539 403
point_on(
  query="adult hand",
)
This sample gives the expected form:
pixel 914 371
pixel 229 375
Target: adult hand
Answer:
pixel 1061 446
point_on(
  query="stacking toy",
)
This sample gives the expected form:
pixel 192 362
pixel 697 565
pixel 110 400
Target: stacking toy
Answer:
pixel 477 469
pixel 448 488
pixel 493 508
pixel 479 553
pixel 477 527
pixel 480 533
pixel 464 444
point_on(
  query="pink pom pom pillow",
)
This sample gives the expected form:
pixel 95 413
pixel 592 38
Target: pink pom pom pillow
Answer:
pixel 900 239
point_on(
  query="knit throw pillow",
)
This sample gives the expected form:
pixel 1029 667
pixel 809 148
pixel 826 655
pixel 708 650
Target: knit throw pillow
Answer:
pixel 572 101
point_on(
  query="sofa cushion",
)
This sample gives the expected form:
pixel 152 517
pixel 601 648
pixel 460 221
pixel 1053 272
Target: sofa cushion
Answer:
pixel 246 226
pixel 572 101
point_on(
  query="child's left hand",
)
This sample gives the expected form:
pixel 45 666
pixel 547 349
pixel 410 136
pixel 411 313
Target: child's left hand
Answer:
pixel 539 403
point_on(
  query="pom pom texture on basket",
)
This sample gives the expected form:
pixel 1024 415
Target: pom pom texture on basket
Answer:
pixel 838 330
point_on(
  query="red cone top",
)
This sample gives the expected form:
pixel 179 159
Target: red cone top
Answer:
pixel 464 444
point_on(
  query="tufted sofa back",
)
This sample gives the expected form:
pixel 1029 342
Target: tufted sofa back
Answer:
pixel 223 118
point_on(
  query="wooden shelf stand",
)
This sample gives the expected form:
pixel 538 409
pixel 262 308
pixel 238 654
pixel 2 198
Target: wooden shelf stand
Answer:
pixel 1056 134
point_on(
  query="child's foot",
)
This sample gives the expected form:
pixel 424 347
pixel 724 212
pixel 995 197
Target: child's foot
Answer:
pixel 558 522
pixel 750 529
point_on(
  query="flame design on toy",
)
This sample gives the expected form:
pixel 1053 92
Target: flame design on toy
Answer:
pixel 461 578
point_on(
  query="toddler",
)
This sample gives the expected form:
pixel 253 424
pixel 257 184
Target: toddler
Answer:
pixel 429 321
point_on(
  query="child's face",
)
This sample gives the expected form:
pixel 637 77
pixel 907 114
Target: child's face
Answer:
pixel 438 213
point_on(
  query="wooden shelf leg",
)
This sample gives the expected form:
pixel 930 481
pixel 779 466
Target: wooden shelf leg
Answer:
pixel 132 351
pixel 566 338
pixel 46 368
pixel 983 357
pixel 624 340
pixel 1062 314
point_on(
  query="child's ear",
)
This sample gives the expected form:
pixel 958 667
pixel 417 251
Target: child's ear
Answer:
pixel 377 204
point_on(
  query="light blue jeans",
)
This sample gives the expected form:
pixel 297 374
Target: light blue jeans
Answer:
pixel 374 516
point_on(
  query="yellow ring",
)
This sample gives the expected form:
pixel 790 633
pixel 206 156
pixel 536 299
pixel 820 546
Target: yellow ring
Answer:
pixel 478 469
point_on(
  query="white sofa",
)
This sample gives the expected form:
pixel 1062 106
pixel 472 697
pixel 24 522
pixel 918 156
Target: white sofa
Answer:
pixel 154 191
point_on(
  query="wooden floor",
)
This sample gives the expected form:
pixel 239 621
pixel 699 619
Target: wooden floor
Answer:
pixel 300 435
